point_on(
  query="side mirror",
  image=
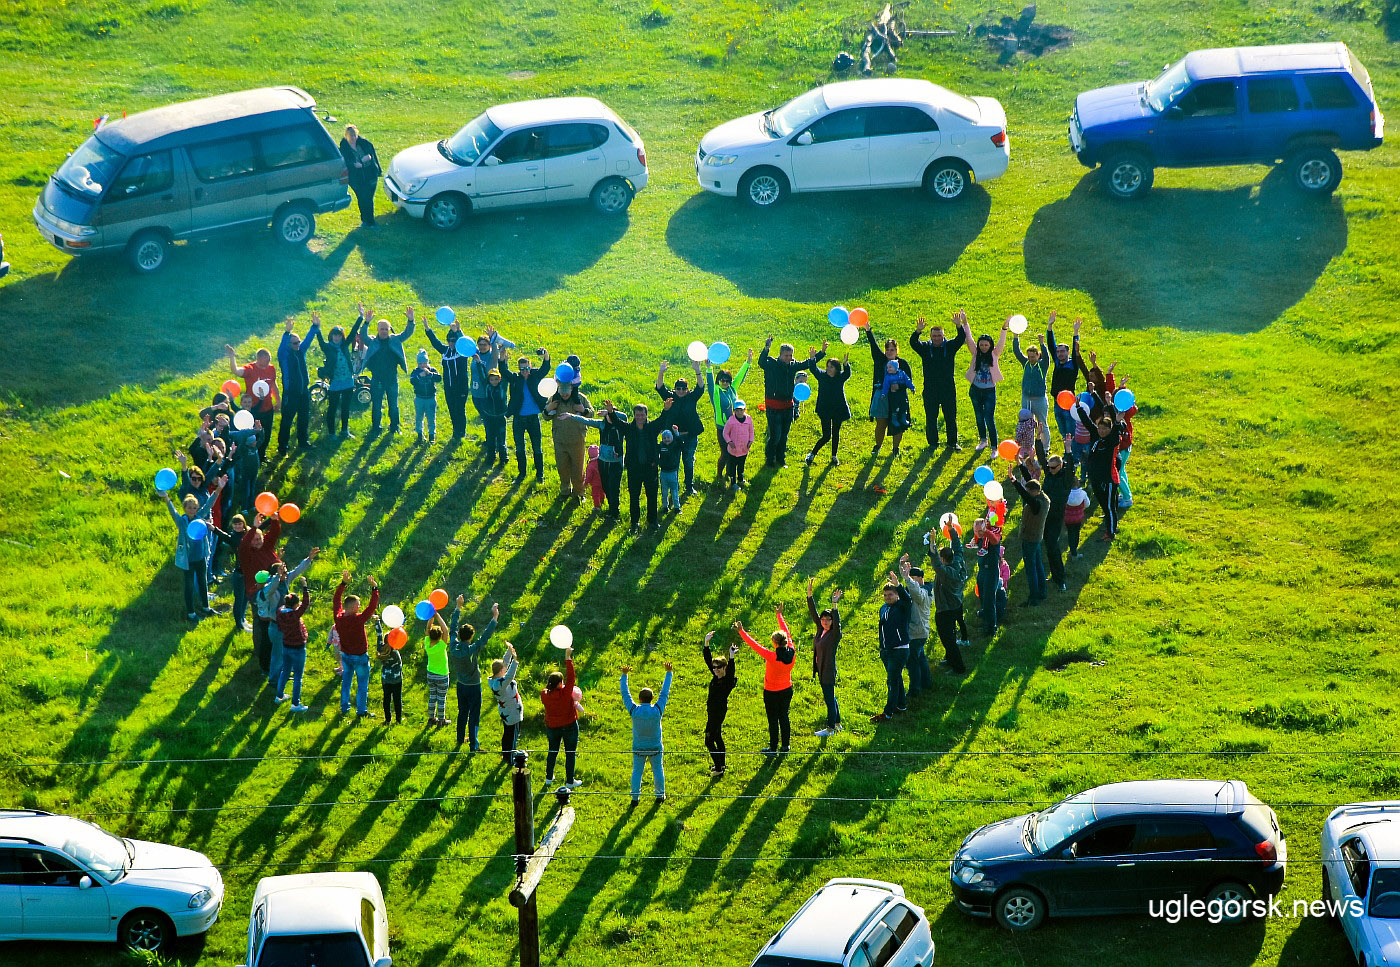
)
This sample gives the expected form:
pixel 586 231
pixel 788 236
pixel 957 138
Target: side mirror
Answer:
pixel 491 161
pixel 804 138
pixel 383 962
pixel 85 883
pixel 1174 113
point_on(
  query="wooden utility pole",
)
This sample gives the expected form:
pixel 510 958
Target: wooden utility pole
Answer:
pixel 530 863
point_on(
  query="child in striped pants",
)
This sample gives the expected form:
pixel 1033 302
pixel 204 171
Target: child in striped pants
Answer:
pixel 436 648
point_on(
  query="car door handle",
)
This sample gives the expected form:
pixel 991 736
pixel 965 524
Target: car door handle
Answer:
pixel 594 157
pixel 858 146
pixel 532 167
pixel 1121 865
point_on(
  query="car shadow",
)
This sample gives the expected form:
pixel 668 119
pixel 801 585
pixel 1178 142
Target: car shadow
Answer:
pixel 1230 260
pixel 824 247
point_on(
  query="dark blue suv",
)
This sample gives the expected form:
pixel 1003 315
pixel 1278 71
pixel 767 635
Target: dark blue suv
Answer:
pixel 1296 104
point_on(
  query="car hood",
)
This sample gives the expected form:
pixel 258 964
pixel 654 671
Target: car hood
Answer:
pixel 420 161
pixel 1107 105
pixel 998 841
pixel 1385 937
pixel 737 135
pixel 170 867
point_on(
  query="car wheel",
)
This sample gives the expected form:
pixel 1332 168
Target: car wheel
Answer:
pixel 1019 910
pixel 763 187
pixel 947 180
pixel 294 225
pixel 363 395
pixel 146 251
pixel 1234 900
pixel 1127 175
pixel 1315 171
pixel 611 196
pixel 447 211
pixel 318 392
pixel 145 930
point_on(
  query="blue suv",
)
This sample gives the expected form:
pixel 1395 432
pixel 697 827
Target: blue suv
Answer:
pixel 1295 103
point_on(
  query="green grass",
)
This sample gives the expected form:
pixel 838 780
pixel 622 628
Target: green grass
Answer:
pixel 1240 628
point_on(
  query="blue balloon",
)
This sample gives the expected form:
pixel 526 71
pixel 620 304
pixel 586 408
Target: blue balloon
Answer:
pixel 445 315
pixel 1087 399
pixel 197 530
pixel 838 316
pixel 424 610
pixel 166 479
pixel 984 475
pixel 719 353
pixel 564 373
pixel 1124 399
pixel 465 347
pixel 801 392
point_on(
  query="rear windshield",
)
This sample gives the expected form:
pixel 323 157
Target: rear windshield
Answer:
pixel 1362 78
pixel 89 170
pixel 319 950
pixel 778 960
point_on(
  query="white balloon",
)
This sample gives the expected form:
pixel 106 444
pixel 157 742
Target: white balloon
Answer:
pixel 1017 324
pixel 697 351
pixel 992 491
pixel 548 386
pixel 850 335
pixel 243 420
pixel 392 616
pixel 947 519
pixel 561 637
pixel 261 388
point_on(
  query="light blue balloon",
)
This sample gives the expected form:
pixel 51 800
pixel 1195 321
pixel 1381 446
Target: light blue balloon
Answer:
pixel 465 347
pixel 166 479
pixel 801 392
pixel 564 373
pixel 839 316
pixel 445 315
pixel 197 530
pixel 424 610
pixel 719 353
pixel 984 475
pixel 1124 399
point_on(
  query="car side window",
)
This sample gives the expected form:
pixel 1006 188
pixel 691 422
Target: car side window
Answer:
pixel 1209 99
pixel 859 958
pixel 256 942
pixel 9 868
pixel 1107 841
pixel 1271 95
pixel 901 920
pixel 293 146
pixel 367 923
pixel 566 139
pixel 1172 836
pixel 1329 92
pixel 224 159
pixel 42 868
pixel 1358 866
pixel 839 126
pixel 144 174
pixel 518 146
pixel 880 945
pixel 881 121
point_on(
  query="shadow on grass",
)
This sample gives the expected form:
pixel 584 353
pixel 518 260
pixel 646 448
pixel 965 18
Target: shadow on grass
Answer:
pixel 1231 260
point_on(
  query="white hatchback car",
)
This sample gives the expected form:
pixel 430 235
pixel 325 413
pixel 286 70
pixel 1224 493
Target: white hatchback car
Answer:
pixel 853 923
pixel 318 919
pixel 67 879
pixel 1361 878
pixel 877 133
pixel 558 149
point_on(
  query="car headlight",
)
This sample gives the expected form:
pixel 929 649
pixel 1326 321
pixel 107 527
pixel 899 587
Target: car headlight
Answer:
pixel 200 898
pixel 718 160
pixel 970 874
pixel 71 228
pixel 412 187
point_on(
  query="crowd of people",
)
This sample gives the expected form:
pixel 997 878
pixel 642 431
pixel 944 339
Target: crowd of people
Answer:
pixel 224 531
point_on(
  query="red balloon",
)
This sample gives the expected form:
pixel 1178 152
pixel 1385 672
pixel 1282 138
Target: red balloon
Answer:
pixel 289 513
pixel 1065 399
pixel 266 503
pixel 438 599
pixel 397 638
pixel 231 389
pixel 1008 449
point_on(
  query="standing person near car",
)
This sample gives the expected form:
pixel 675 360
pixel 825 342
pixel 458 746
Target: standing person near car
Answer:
pixel 260 382
pixel 1064 374
pixel 647 743
pixel 920 617
pixel 832 408
pixel 949 579
pixel 338 371
pixel 684 399
pixel 723 389
pixel 778 663
pixel 561 722
pixel 881 355
pixel 465 644
pixel 778 380
pixel 456 376
pixel 296 389
pixel 384 357
pixel 982 377
pixel 350 624
pixel 939 353
pixel 524 408
pixel 362 161
pixel 1035 364
pixel 720 683
pixel 894 645
pixel 825 639
pixel 569 439
pixel 489 347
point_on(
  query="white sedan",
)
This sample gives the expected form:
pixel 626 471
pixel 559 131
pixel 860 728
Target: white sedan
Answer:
pixel 318 919
pixel 877 133
pixel 1361 878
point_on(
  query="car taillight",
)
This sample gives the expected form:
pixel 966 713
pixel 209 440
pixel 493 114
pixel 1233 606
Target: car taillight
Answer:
pixel 642 157
pixel 345 176
pixel 999 139
pixel 1267 851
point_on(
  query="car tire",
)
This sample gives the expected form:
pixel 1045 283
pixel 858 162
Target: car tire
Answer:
pixel 146 930
pixel 447 212
pixel 146 252
pixel 1229 892
pixel 1332 919
pixel 1314 171
pixel 1127 175
pixel 294 225
pixel 363 395
pixel 947 179
pixel 611 196
pixel 1019 910
pixel 763 187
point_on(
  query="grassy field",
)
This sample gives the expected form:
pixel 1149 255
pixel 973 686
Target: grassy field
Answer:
pixel 1241 626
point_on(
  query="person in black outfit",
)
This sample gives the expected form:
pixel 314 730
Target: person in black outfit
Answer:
pixel 1100 461
pixel 686 396
pixel 894 645
pixel 524 408
pixel 832 408
pixel 296 395
pixel 1057 481
pixel 640 437
pixel 362 161
pixel 778 379
pixel 721 682
pixel 938 353
pixel 456 376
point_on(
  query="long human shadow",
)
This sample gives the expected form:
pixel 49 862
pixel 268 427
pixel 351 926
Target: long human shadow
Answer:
pixel 1229 260
pixel 863 241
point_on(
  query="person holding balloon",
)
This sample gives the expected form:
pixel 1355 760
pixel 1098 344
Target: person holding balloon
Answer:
pixel 778 382
pixel 524 406
pixel 435 650
pixel 722 387
pixel 561 722
pixel 569 435
pixel 683 415
pixel 260 382
pixel 1035 508
pixel 338 370
pixel 390 654
pixel 456 368
pixel 939 354
pixel 832 408
pixel 1035 365
pixel 275 584
pixel 191 542
pixel 889 396
pixel 257 552
pixel 465 644
pixel 384 357
pixel 296 391
pixel 991 588
pixel 1056 482
pixel 949 580
pixel 1101 461
pixel 983 375
pixel 1064 375
pixel 350 623
pixel 486 361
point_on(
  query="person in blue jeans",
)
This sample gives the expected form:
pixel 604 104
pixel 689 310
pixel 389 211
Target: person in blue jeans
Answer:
pixel 668 459
pixel 1064 373
pixel 464 646
pixel 424 380
pixel 489 350
pixel 384 357
pixel 894 645
pixel 190 551
pixel 293 628
pixel 983 375
pixel 646 733
pixel 267 604
pixel 687 419
pixel 920 614
pixel 350 623
pixel 1035 511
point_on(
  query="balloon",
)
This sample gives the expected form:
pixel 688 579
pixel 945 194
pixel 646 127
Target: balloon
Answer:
pixel 719 353
pixel 561 637
pixel 1124 399
pixel 1087 399
pixel 445 315
pixel 243 420
pixel 196 530
pixel 1064 399
pixel 261 388
pixel 397 638
pixel 697 351
pixel 231 389
pixel 266 503
pixel 465 347
pixel 166 479
pixel 578 694
pixel 564 373
pixel 838 316
pixel 392 616
pixel 1008 449
pixel 289 513
pixel 438 599
pixel 424 610
pixel 801 392
pixel 860 318
pixel 1017 324
pixel 548 386
pixel 261 577
pixel 850 335
pixel 984 475
pixel 992 490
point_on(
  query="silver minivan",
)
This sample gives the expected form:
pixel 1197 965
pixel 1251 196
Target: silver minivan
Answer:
pixel 192 170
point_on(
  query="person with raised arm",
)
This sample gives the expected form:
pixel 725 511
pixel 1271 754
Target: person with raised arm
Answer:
pixel 561 722
pixel 1035 366
pixel 949 579
pixel 259 382
pixel 647 742
pixel 778 380
pixel 508 701
pixel 832 408
pixel 778 663
pixel 825 639
pixel 722 387
pixel 983 375
pixel 939 354
pixel 384 357
pixel 190 550
pixel 524 406
pixel 684 397
pixel 889 386
pixel 338 370
pixel 720 682
pixel 894 645
pixel 350 624
pixel 296 380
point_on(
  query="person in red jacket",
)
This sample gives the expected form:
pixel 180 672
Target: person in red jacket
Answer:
pixel 258 552
pixel 778 663
pixel 561 722
pixel 350 624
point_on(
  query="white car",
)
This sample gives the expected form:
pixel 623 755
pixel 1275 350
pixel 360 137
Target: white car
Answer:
pixel 1361 878
pixel 854 923
pixel 318 918
pixel 558 149
pixel 877 133
pixel 67 879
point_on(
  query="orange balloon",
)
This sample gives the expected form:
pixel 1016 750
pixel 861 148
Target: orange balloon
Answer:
pixel 397 638
pixel 266 503
pixel 231 389
pixel 860 318
pixel 1008 449
pixel 438 599
pixel 289 513
pixel 1065 399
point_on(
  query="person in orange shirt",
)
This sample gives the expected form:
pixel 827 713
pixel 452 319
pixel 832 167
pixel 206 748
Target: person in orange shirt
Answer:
pixel 561 721
pixel 778 663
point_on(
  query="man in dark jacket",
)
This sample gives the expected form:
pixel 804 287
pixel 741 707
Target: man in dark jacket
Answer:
pixel 1064 372
pixel 362 161
pixel 939 355
pixel 639 439
pixel 384 358
pixel 456 376
pixel 894 645
pixel 524 408
pixel 949 579
pixel 1056 483
pixel 683 415
pixel 296 392
pixel 778 379
pixel 721 683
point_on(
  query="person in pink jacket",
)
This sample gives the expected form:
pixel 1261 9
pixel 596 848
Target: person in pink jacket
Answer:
pixel 738 438
pixel 983 376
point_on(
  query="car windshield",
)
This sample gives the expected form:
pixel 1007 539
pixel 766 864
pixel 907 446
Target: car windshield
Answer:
pixel 314 950
pixel 778 960
pixel 89 170
pixel 1061 821
pixel 468 144
pixel 98 850
pixel 1385 893
pixel 1167 86
pixel 795 113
